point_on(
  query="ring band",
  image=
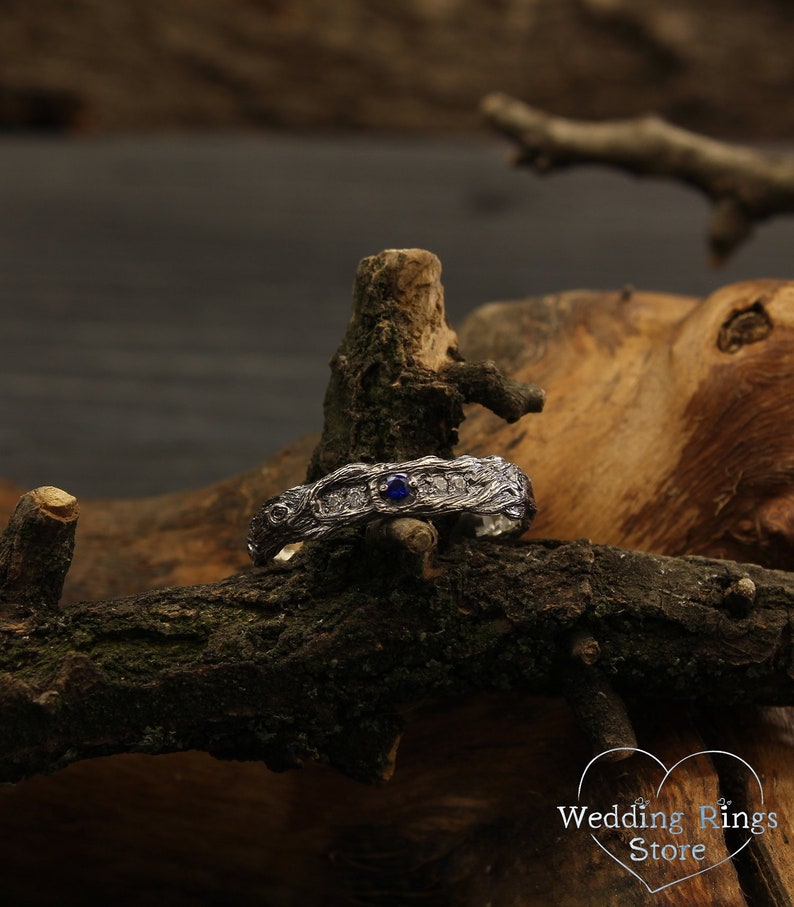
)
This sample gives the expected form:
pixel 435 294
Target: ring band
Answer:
pixel 492 488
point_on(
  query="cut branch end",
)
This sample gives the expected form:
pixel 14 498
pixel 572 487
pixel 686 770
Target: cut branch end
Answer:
pixel 36 548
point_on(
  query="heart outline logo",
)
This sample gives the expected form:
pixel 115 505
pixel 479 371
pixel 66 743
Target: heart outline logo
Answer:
pixel 667 773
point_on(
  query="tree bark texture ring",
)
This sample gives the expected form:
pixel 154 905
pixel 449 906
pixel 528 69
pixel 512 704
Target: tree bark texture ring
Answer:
pixel 490 488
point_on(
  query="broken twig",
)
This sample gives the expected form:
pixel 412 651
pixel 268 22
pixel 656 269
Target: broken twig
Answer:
pixel 745 186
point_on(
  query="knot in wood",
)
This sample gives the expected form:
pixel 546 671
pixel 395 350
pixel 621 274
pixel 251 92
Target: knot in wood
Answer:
pixel 744 327
pixel 739 597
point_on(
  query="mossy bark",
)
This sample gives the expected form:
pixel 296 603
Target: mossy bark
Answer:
pixel 317 658
pixel 398 383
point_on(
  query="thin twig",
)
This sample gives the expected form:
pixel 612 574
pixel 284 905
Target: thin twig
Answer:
pixel 745 186
pixel 36 549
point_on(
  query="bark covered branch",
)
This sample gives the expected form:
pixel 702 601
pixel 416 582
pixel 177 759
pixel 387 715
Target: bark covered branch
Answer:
pixel 318 658
pixel 398 383
pixel 36 549
pixel 745 186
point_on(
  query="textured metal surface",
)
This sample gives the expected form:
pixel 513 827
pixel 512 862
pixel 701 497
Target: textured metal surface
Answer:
pixel 359 493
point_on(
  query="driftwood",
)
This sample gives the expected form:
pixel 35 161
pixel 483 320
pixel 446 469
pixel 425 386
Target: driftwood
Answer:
pixel 261 666
pixel 745 186
pixel 667 427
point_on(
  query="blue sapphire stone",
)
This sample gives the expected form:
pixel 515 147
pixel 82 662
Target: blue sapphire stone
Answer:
pixel 397 488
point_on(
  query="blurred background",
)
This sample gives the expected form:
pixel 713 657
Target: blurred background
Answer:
pixel 186 187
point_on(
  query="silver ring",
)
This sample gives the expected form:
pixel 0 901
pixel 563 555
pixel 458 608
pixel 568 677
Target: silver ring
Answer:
pixel 491 488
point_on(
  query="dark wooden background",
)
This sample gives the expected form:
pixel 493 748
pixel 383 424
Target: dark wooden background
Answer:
pixel 169 304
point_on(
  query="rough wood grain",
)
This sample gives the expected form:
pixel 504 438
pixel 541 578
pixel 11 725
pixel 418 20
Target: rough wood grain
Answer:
pixel 653 437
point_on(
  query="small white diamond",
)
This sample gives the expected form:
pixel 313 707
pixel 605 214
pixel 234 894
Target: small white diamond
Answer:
pixel 332 501
pixel 458 484
pixel 494 524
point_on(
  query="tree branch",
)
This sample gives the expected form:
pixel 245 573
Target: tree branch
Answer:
pixel 36 549
pixel 744 185
pixel 482 382
pixel 398 383
pixel 316 659
pixel 599 710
